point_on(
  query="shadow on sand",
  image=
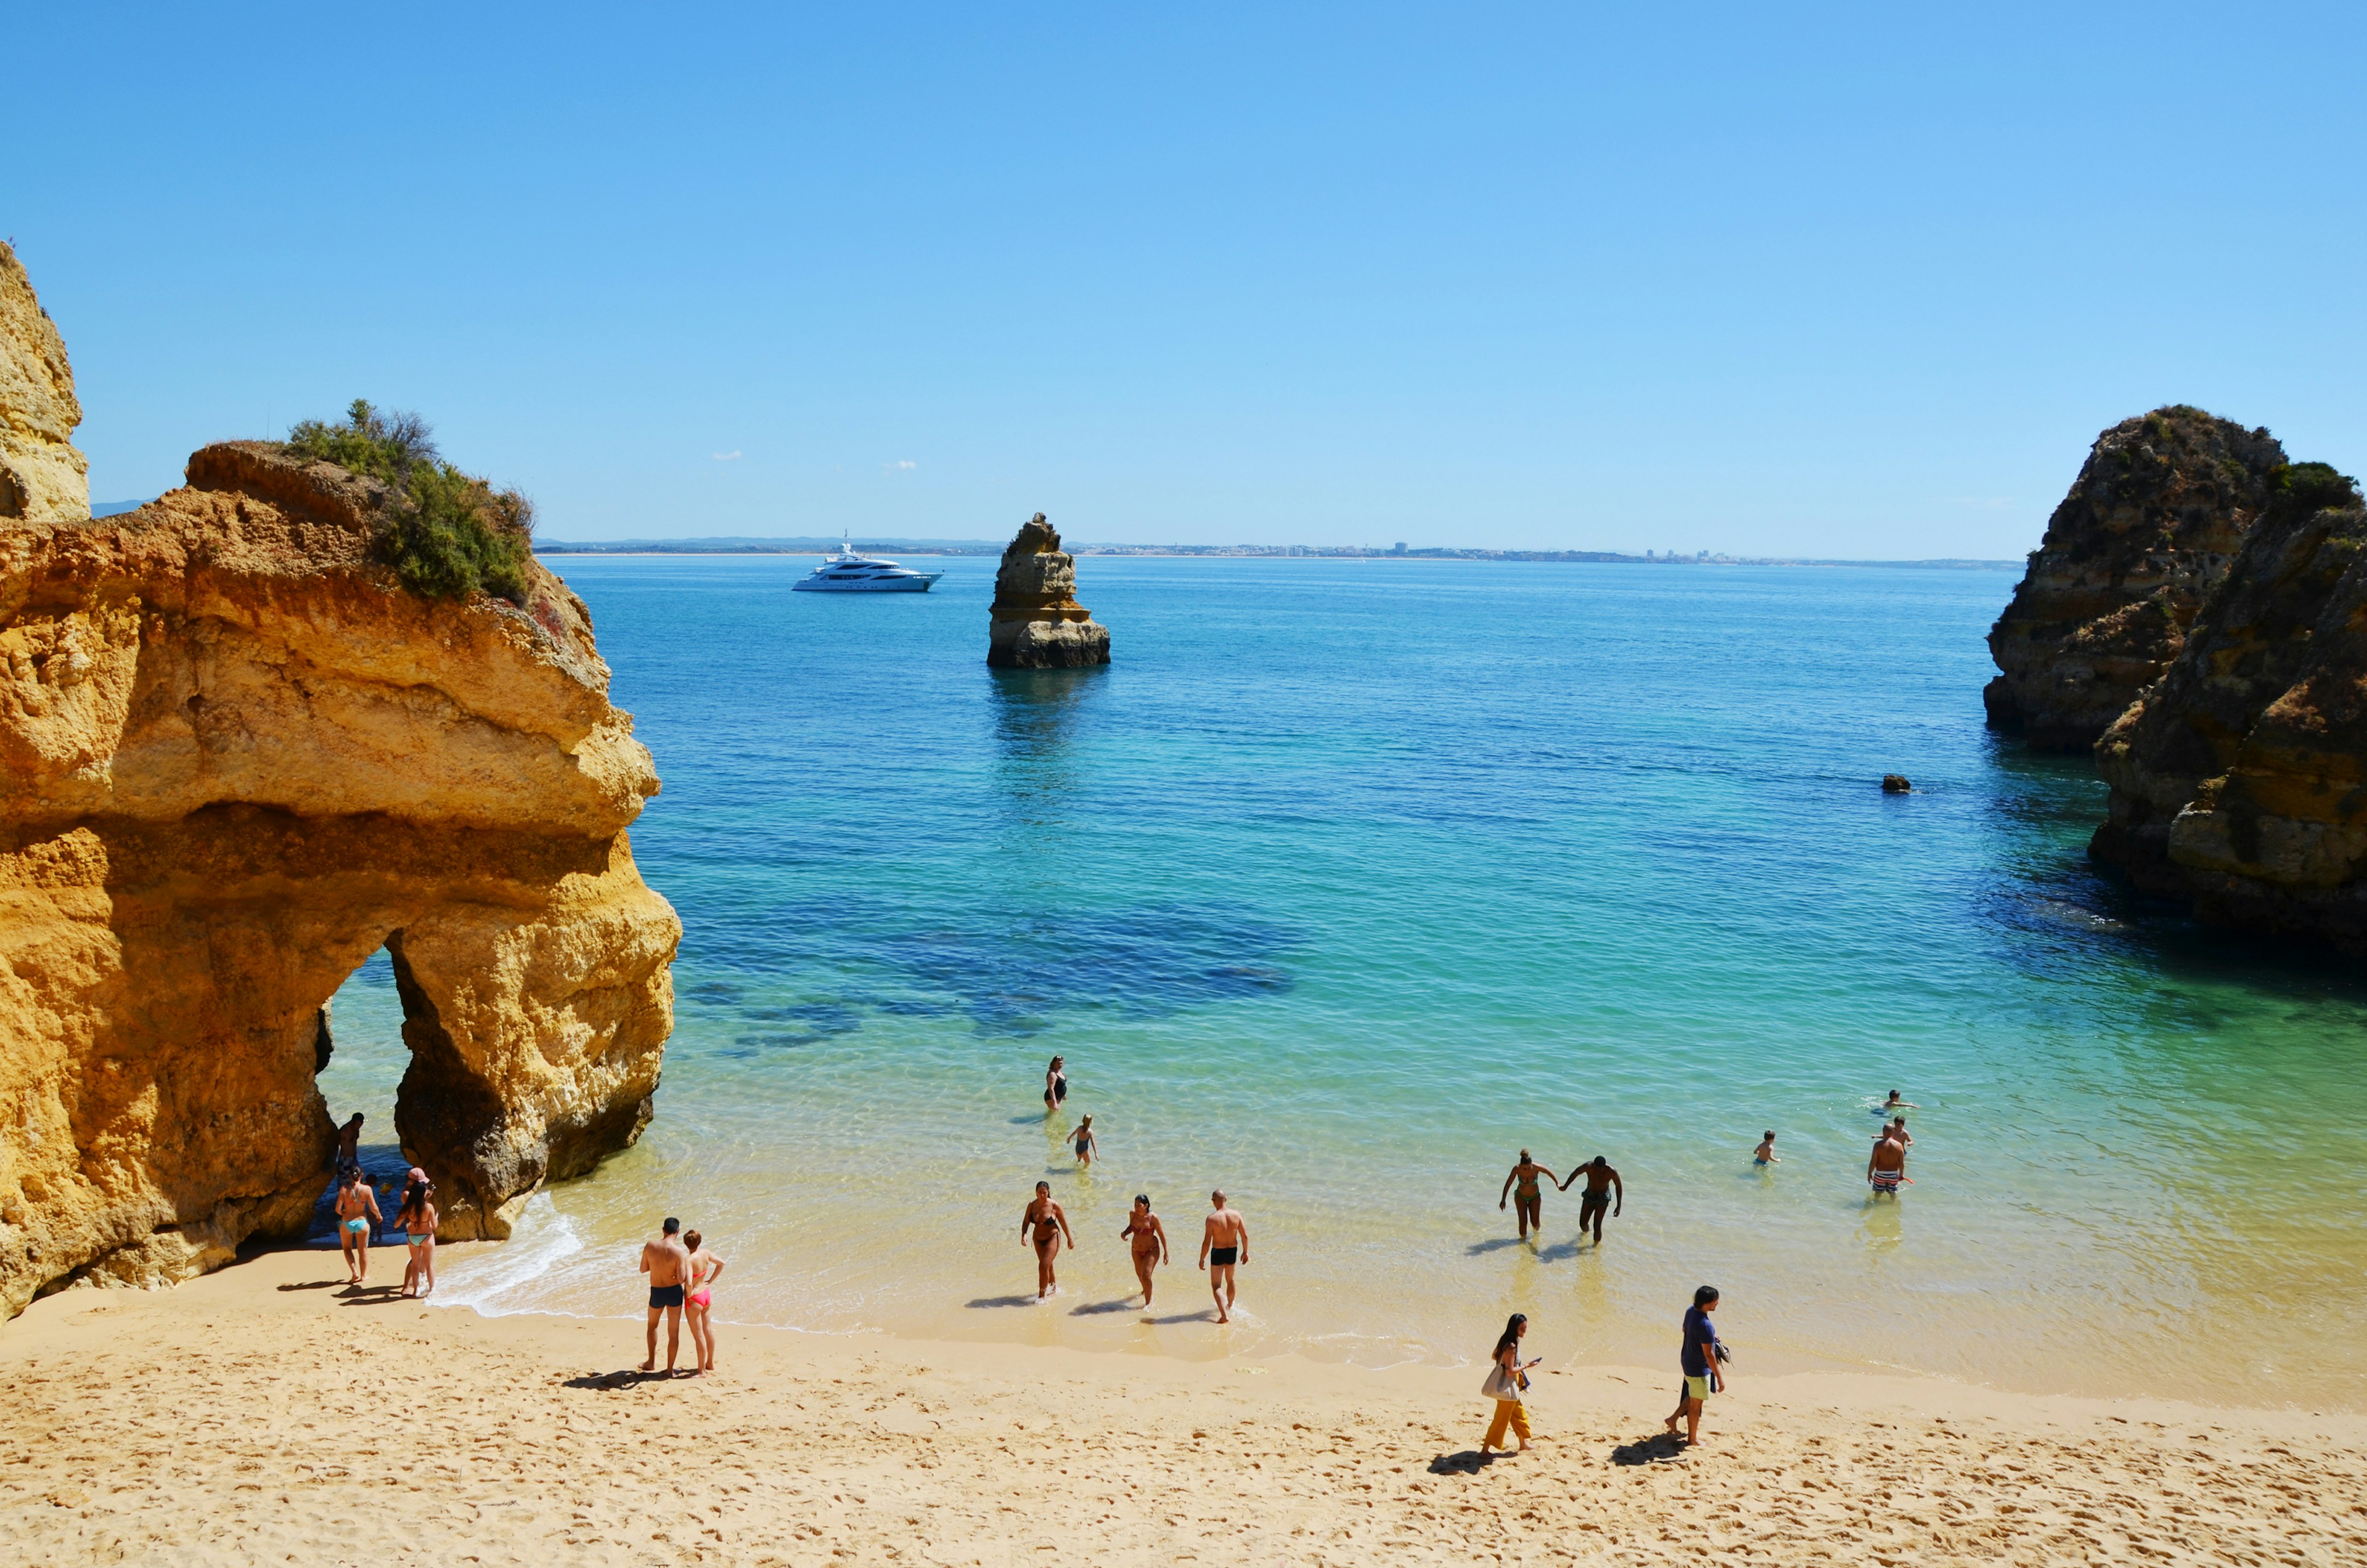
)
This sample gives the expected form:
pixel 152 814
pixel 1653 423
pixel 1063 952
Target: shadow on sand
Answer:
pixel 1470 1461
pixel 629 1378
pixel 1661 1447
pixel 1005 1301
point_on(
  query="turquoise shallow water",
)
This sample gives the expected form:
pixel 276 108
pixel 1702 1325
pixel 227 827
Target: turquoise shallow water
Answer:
pixel 1350 879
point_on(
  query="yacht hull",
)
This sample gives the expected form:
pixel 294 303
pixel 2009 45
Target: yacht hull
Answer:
pixel 916 583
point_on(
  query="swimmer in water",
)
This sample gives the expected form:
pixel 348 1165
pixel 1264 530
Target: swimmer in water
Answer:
pixel 1765 1153
pixel 1086 1145
pixel 1895 1103
pixel 1149 1239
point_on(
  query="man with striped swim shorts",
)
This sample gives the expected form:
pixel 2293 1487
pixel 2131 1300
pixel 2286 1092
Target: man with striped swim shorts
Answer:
pixel 1886 1168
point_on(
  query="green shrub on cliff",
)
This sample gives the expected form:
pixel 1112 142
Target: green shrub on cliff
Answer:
pixel 448 533
pixel 2303 489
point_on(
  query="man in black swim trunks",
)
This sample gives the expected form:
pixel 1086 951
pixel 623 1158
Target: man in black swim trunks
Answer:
pixel 1224 1244
pixel 667 1263
pixel 1601 1182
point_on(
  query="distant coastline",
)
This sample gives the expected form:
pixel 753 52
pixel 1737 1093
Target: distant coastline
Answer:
pixel 737 546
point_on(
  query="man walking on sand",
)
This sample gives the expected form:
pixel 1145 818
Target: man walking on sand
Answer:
pixel 1601 1182
pixel 1224 1244
pixel 667 1263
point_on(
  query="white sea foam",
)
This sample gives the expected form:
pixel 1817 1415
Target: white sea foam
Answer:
pixel 500 1281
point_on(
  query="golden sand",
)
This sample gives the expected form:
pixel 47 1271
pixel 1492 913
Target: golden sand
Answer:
pixel 267 1415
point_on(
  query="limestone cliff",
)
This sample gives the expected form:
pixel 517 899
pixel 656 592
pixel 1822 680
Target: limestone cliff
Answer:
pixel 2156 514
pixel 1037 622
pixel 2239 779
pixel 237 757
pixel 42 478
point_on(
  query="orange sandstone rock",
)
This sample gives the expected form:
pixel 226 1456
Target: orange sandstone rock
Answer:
pixel 1037 622
pixel 2148 529
pixel 42 478
pixel 237 757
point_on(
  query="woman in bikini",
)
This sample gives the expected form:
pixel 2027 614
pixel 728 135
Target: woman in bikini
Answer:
pixel 417 1219
pixel 703 1268
pixel 1044 1226
pixel 357 1213
pixel 1149 1239
pixel 1532 1204
pixel 1086 1147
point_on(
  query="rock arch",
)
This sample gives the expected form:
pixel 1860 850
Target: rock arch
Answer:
pixel 236 759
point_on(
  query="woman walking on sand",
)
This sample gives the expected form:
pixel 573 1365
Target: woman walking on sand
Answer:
pixel 1149 1239
pixel 704 1269
pixel 417 1219
pixel 1044 1226
pixel 357 1213
pixel 1508 1380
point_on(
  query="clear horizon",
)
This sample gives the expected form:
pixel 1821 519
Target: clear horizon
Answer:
pixel 1854 285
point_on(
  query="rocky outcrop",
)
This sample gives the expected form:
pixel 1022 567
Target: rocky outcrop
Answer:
pixel 1036 622
pixel 42 478
pixel 236 759
pixel 2159 512
pixel 2239 779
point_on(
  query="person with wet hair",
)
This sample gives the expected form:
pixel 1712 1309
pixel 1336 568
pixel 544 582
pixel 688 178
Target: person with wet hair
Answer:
pixel 1044 1226
pixel 1532 1203
pixel 1149 1239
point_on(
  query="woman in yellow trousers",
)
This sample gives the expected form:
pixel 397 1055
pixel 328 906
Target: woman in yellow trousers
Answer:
pixel 1506 1380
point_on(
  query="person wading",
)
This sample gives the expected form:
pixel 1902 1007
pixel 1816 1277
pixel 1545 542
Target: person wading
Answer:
pixel 1224 1245
pixel 1601 1182
pixel 667 1263
pixel 1044 1226
pixel 1886 1168
pixel 1533 1204
pixel 1149 1239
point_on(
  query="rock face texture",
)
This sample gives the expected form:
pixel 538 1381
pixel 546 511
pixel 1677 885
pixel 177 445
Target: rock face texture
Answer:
pixel 1036 622
pixel 2240 779
pixel 2150 526
pixel 42 478
pixel 236 759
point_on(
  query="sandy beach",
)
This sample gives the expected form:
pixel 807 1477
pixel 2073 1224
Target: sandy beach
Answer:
pixel 269 1414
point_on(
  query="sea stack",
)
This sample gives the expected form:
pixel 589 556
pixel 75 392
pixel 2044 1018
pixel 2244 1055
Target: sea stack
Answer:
pixel 1036 622
pixel 238 756
pixel 2239 781
pixel 2150 526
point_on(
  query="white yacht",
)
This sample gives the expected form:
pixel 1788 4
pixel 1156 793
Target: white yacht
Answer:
pixel 847 572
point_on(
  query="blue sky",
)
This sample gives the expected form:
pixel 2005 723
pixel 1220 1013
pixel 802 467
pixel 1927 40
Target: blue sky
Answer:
pixel 1834 280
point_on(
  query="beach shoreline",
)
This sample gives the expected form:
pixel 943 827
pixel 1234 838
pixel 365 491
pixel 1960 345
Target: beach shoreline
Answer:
pixel 265 1410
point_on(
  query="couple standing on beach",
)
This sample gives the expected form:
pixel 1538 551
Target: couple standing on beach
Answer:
pixel 682 1278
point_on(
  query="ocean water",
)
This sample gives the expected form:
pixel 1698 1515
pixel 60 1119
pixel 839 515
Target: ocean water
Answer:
pixel 1351 879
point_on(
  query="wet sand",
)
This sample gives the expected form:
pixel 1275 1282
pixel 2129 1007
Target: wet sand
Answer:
pixel 267 1413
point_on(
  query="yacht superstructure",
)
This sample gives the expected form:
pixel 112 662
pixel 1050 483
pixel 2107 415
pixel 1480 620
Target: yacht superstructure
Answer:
pixel 847 572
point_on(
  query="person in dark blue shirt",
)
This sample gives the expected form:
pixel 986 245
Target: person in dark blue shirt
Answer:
pixel 1699 1360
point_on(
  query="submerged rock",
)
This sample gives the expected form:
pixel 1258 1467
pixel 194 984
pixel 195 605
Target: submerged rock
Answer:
pixel 2150 526
pixel 1036 622
pixel 2239 781
pixel 236 759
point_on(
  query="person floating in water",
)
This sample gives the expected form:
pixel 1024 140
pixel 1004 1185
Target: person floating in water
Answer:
pixel 1601 1182
pixel 1765 1153
pixel 1224 1244
pixel 1084 1142
pixel 1532 1201
pixel 1056 1086
pixel 1895 1103
pixel 1043 1226
pixel 1149 1239
pixel 1886 1166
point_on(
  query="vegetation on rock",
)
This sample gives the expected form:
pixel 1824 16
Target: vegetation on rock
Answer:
pixel 448 533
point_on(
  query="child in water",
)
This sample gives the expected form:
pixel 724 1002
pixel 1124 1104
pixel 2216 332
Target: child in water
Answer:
pixel 1085 1143
pixel 1765 1153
